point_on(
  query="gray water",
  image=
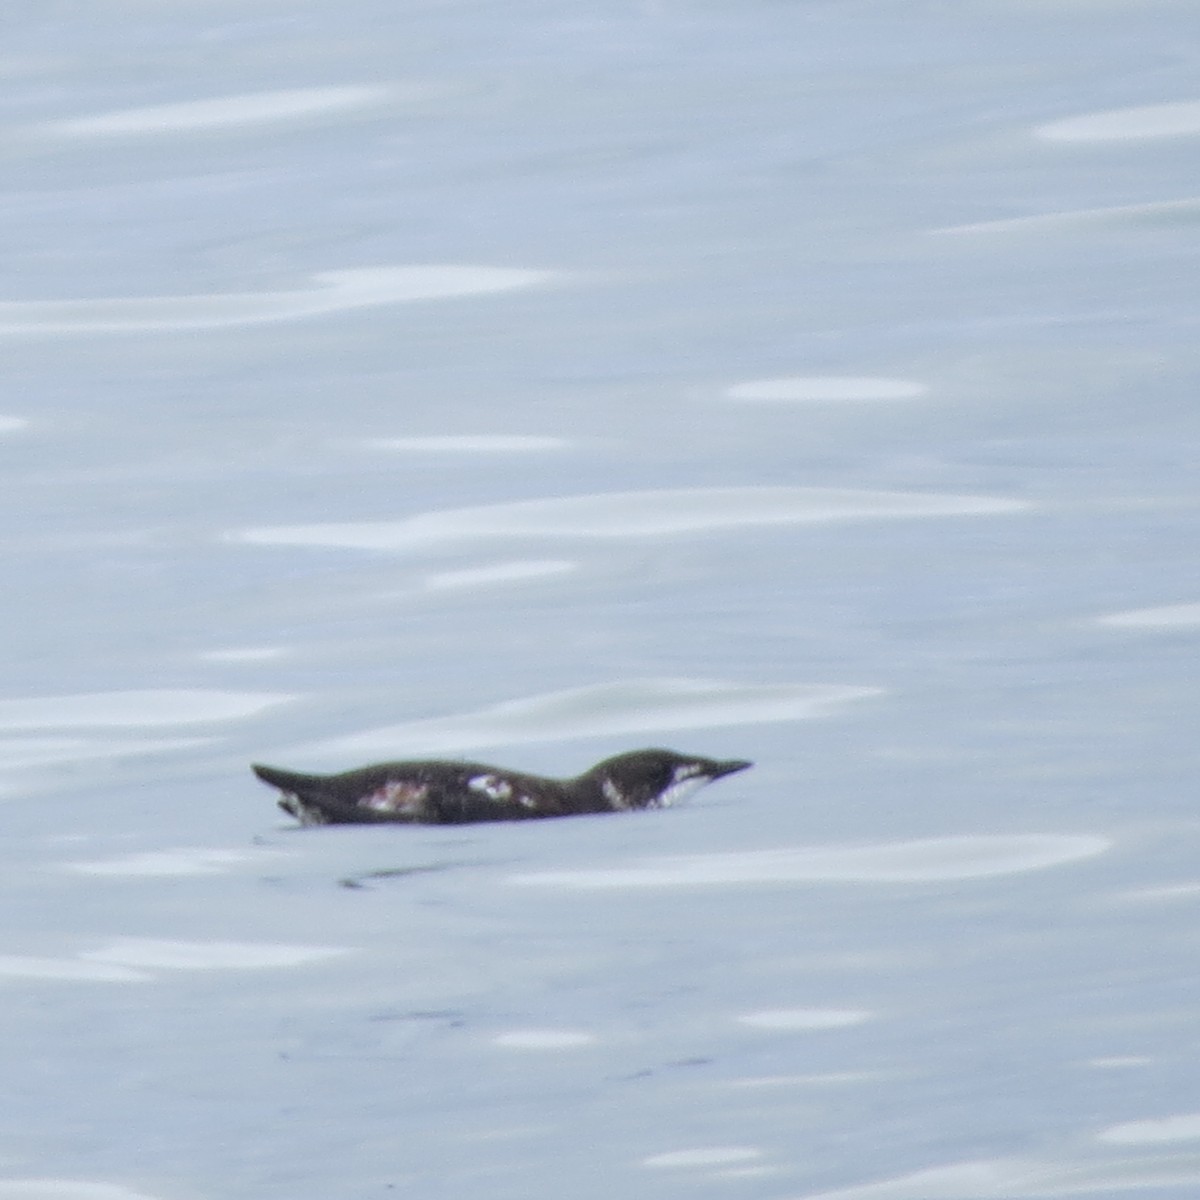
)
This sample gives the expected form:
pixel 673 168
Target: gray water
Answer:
pixel 804 382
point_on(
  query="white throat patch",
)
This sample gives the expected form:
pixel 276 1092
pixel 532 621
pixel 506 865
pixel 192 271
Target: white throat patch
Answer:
pixel 682 788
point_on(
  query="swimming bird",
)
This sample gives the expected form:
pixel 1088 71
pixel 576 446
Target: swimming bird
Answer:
pixel 455 793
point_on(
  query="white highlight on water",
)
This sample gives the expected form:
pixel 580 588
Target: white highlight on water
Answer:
pixel 805 1018
pixel 66 1189
pixel 16 753
pixel 1151 215
pixel 491 443
pixel 12 424
pixel 825 388
pixel 1154 1131
pixel 1015 1178
pixel 241 654
pixel 186 860
pixel 1177 119
pixel 516 571
pixel 633 514
pixel 703 1156
pixel 1166 617
pixel 1168 892
pixel 159 706
pixel 543 1039
pixel 331 291
pixel 931 860
pixel 755 1172
pixel 169 954
pixel 827 1079
pixel 220 112
pixel 20 966
pixel 640 705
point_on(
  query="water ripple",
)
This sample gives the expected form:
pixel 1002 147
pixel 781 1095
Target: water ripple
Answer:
pixel 66 1189
pixel 633 514
pixel 17 753
pixel 826 387
pixel 1180 118
pixel 159 706
pixel 182 860
pixel 1181 1127
pixel 703 1156
pixel 930 860
pixel 334 291
pixel 1009 1178
pixel 1168 616
pixel 470 443
pixel 251 108
pixel 805 1018
pixel 624 707
pixel 1152 214
pixel 21 966
pixel 543 1039
pixel 176 955
pixel 493 573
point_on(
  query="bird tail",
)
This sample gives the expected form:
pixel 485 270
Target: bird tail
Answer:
pixel 286 781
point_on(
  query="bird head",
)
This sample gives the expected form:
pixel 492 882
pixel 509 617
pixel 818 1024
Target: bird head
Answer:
pixel 657 778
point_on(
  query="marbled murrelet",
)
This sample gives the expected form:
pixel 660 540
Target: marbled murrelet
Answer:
pixel 455 793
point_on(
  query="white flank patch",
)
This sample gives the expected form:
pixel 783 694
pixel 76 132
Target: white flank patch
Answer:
pixel 491 786
pixel 1178 119
pixel 634 514
pixel 817 388
pixel 221 112
pixel 188 956
pixel 704 1156
pixel 933 860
